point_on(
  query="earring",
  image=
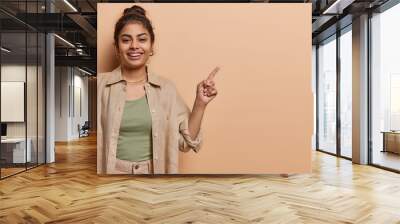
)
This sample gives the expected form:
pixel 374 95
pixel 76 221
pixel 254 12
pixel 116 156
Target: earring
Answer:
pixel 151 54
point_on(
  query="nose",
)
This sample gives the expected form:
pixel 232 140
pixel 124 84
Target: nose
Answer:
pixel 134 44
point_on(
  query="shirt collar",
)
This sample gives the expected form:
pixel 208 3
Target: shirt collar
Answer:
pixel 116 76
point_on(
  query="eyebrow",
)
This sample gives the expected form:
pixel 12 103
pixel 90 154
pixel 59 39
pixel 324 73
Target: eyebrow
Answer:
pixel 127 35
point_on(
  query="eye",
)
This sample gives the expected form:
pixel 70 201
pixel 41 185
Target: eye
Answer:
pixel 125 40
pixel 143 40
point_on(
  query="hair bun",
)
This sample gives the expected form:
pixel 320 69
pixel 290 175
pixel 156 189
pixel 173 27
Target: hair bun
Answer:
pixel 135 10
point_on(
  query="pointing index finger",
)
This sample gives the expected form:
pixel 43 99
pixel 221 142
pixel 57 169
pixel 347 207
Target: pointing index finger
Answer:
pixel 212 74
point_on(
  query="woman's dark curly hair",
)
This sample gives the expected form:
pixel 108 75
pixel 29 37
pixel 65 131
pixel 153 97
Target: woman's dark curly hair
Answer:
pixel 132 15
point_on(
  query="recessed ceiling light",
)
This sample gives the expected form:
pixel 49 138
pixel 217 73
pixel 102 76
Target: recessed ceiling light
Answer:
pixel 64 40
pixel 338 6
pixel 5 50
pixel 84 71
pixel 70 5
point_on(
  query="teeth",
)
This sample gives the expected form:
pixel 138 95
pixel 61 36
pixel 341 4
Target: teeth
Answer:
pixel 134 55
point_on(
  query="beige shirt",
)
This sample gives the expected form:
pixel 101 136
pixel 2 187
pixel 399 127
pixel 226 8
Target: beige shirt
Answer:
pixel 169 115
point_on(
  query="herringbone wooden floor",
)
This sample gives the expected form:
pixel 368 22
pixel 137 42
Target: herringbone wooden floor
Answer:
pixel 69 191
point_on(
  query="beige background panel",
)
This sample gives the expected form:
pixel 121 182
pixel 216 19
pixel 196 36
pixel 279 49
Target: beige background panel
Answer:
pixel 262 119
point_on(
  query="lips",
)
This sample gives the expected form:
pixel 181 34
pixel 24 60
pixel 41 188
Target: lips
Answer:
pixel 134 56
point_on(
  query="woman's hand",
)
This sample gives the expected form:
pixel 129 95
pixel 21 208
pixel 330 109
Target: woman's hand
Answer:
pixel 206 90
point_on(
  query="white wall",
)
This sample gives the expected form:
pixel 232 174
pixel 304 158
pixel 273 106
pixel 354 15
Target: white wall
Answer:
pixel 34 125
pixel 70 83
pixel 50 94
pixel 62 80
pixel 12 73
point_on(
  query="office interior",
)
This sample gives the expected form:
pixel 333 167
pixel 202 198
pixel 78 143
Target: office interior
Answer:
pixel 48 81
pixel 44 95
pixel 53 66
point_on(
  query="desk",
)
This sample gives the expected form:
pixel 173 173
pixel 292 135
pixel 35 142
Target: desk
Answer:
pixel 13 150
pixel 391 141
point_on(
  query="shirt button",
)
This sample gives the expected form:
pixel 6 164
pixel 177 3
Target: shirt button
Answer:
pixel 136 167
pixel 155 135
pixel 153 111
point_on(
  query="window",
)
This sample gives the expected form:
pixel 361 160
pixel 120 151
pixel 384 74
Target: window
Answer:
pixel 385 88
pixel 346 92
pixel 327 95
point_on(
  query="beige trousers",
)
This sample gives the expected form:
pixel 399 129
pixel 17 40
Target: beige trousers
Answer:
pixel 128 167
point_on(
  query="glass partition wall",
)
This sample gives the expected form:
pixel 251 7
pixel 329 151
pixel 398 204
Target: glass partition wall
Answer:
pixel 334 105
pixel 385 89
pixel 327 95
pixel 345 61
pixel 22 88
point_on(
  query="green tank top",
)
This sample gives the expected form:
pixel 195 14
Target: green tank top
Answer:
pixel 135 140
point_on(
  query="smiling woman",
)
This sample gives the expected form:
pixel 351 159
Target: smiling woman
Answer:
pixel 142 120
